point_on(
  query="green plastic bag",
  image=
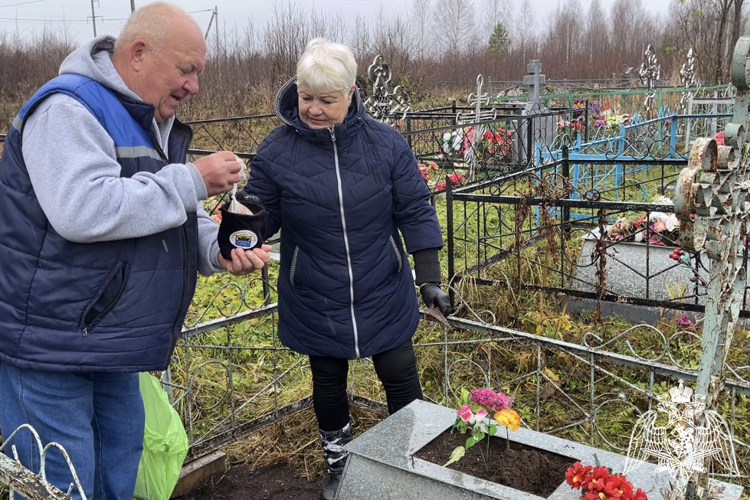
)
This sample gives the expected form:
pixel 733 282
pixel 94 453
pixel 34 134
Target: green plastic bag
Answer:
pixel 165 443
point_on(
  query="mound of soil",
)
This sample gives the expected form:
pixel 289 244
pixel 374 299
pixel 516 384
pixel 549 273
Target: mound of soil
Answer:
pixel 275 482
pixel 524 468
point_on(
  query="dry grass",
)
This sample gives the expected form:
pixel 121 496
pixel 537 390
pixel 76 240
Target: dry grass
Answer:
pixel 294 441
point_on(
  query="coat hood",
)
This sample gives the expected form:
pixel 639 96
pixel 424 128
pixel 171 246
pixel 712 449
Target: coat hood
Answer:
pixel 94 60
pixel 287 109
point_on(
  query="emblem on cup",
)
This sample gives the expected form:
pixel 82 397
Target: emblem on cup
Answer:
pixel 243 239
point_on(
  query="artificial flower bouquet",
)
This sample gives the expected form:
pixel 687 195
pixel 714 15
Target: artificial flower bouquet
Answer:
pixel 659 228
pixel 598 483
pixel 481 412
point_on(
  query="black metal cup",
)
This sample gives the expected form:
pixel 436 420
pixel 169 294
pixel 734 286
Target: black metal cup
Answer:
pixel 240 230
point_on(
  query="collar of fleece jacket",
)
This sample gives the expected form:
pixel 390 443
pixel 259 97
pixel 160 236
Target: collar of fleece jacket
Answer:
pixel 287 110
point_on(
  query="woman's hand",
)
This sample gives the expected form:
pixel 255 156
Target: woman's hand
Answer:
pixel 434 296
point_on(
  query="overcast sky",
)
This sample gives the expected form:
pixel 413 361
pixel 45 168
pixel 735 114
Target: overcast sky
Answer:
pixel 27 17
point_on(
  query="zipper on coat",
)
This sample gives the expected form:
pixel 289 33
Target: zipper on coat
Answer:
pixel 90 325
pixel 346 243
pixel 398 254
pixel 293 268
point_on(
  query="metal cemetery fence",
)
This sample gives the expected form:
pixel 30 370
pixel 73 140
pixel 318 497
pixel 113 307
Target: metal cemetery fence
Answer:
pixel 546 221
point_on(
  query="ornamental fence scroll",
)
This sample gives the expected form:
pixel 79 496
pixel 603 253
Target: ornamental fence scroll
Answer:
pixel 382 103
pixel 649 73
pixel 687 78
pixel 31 485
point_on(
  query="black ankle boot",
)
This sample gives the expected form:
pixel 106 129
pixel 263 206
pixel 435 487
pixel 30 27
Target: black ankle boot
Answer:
pixel 335 457
pixel 329 490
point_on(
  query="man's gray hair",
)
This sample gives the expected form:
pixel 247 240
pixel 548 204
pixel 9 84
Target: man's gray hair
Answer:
pixel 326 66
pixel 152 23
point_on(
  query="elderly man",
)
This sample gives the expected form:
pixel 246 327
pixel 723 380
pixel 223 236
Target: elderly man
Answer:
pixel 102 234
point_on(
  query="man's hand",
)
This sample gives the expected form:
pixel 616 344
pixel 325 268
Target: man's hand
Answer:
pixel 434 296
pixel 246 261
pixel 219 171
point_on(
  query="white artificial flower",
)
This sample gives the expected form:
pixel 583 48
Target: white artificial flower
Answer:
pixel 672 222
pixel 663 200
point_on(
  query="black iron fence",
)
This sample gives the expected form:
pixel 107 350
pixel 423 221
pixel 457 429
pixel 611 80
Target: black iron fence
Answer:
pixel 600 230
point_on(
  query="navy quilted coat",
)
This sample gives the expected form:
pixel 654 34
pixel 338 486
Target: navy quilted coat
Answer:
pixel 340 197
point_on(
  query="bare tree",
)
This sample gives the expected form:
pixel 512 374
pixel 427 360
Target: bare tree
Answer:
pixel 454 20
pixel 697 24
pixel 523 34
pixel 360 41
pixel 596 38
pixel 563 39
pixel 629 22
pixel 724 10
pixel 419 21
pixel 392 41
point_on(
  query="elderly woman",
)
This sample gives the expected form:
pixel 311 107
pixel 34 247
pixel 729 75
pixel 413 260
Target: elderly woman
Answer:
pixel 341 186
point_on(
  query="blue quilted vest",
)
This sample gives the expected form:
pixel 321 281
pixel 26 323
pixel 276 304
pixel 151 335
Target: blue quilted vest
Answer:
pixel 107 306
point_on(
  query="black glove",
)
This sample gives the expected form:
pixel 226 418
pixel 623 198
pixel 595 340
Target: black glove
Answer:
pixel 434 296
pixel 248 199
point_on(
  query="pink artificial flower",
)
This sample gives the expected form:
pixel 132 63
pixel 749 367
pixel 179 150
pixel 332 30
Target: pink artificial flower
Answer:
pixel 457 178
pixel 719 138
pixel 466 415
pixel 659 226
pixel 424 170
pixel 490 399
pixel 684 321
pixel 480 416
pixel 655 239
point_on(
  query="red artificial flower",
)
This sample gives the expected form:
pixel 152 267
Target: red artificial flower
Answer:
pixel 611 489
pixel 576 475
pixel 639 495
pixel 489 135
pixel 597 483
pixel 424 170
pixel 600 473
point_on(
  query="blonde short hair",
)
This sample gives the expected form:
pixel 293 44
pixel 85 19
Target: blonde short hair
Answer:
pixel 327 66
pixel 153 23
